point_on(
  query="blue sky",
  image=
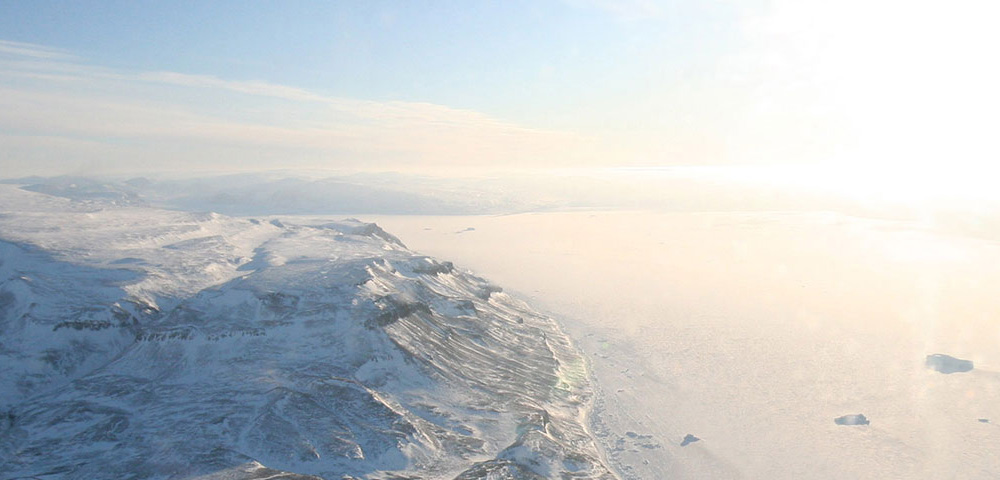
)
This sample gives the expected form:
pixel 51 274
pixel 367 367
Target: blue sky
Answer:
pixel 137 85
pixel 480 55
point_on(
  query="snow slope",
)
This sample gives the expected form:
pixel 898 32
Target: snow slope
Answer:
pixel 143 343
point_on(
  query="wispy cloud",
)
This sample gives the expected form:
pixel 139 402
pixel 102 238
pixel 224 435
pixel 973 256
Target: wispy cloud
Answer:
pixel 423 112
pixel 120 115
pixel 21 49
pixel 251 88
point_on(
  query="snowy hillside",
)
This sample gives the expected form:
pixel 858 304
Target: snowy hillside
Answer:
pixel 143 343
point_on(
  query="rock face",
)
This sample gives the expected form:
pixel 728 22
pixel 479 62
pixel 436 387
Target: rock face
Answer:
pixel 146 344
pixel 856 419
pixel 948 364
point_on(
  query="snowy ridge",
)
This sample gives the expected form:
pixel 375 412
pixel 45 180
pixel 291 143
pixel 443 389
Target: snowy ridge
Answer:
pixel 142 343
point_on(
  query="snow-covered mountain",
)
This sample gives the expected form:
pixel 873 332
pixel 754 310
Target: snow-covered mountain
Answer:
pixel 146 344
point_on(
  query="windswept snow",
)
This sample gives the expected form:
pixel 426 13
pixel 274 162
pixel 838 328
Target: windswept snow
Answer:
pixel 143 343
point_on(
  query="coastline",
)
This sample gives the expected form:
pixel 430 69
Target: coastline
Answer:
pixel 753 331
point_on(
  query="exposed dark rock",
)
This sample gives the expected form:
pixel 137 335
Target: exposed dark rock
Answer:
pixel 488 290
pixel 435 268
pixel 948 364
pixel 393 309
pixel 856 419
pixel 353 226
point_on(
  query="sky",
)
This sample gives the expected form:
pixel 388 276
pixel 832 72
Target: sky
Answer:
pixel 140 86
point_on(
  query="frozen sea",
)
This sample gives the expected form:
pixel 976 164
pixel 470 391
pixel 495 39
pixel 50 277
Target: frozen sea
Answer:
pixel 753 331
